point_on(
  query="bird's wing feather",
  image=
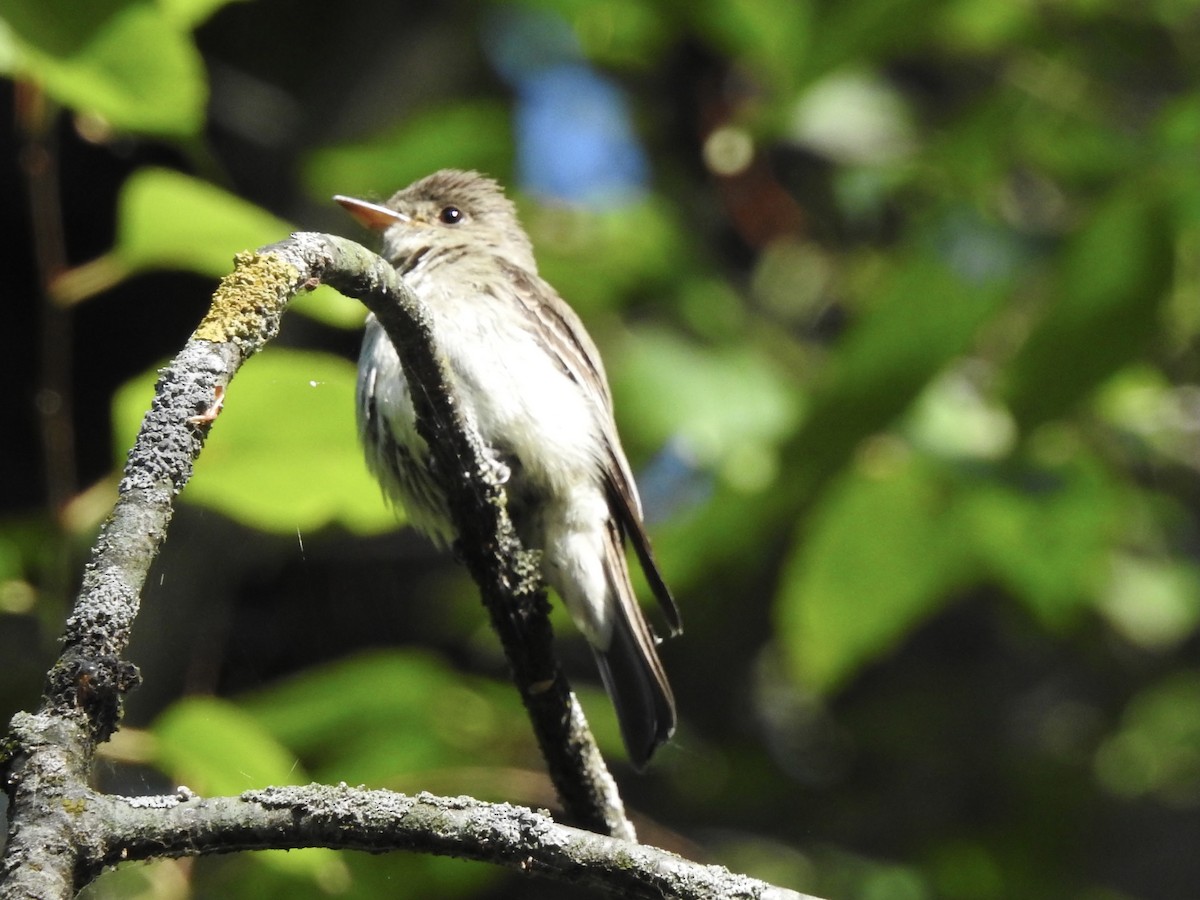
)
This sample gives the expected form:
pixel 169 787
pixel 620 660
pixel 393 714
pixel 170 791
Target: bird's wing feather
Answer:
pixel 623 501
pixel 632 672
pixel 563 333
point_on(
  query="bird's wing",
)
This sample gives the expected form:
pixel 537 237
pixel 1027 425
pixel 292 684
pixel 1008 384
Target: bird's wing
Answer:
pixel 624 501
pixel 561 330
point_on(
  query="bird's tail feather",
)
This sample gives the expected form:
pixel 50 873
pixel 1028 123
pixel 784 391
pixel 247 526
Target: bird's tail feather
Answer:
pixel 637 684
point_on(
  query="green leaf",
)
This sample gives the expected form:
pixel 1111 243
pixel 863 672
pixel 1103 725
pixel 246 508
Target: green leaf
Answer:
pixel 984 26
pixel 326 305
pixel 868 29
pixel 466 136
pixel 61 27
pixel 1047 536
pixel 616 33
pixel 598 258
pixel 1153 602
pixel 729 405
pixel 217 749
pixel 10 563
pixel 128 63
pixel 283 455
pixel 8 50
pixel 390 714
pixel 882 553
pixel 926 317
pixel 168 220
pixel 1071 144
pixel 1114 282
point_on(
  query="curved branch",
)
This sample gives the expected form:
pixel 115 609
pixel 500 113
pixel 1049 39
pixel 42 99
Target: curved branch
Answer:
pixel 49 753
pixel 507 575
pixel 62 833
pixel 375 821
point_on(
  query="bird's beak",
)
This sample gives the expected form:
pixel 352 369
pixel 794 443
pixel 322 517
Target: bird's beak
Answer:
pixel 371 215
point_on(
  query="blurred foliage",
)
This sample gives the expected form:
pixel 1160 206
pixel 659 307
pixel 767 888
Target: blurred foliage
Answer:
pixel 902 336
pixel 168 220
pixel 464 136
pixel 388 716
pixel 308 401
pixel 130 63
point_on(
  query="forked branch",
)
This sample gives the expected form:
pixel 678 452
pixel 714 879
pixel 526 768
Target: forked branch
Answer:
pixel 62 833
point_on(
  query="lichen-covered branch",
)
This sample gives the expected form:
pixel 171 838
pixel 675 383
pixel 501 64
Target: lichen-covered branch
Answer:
pixel 48 754
pixel 507 576
pixel 376 821
pixel 62 833
pixel 45 762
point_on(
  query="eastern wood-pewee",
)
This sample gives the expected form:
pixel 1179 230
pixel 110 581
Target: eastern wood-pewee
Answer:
pixel 531 380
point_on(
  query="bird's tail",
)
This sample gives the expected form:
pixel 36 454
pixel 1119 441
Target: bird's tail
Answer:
pixel 636 682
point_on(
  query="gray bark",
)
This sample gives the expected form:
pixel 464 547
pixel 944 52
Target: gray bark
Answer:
pixel 62 833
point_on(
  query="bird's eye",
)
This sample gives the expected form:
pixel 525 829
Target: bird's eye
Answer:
pixel 451 215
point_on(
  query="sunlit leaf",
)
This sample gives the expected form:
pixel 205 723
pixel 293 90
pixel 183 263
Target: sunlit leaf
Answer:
pixel 217 748
pixel 403 712
pixel 596 258
pixel 8 50
pixel 166 219
pixel 1153 602
pixel 627 33
pixel 283 454
pixel 881 553
pixel 877 132
pixel 125 62
pixel 214 748
pixel 728 406
pixel 169 220
pixel 123 882
pixel 980 25
pixel 384 715
pixel 619 33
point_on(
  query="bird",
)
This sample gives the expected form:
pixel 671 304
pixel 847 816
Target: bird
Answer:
pixel 529 377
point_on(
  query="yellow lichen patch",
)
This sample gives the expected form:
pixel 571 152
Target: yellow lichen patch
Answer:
pixel 257 288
